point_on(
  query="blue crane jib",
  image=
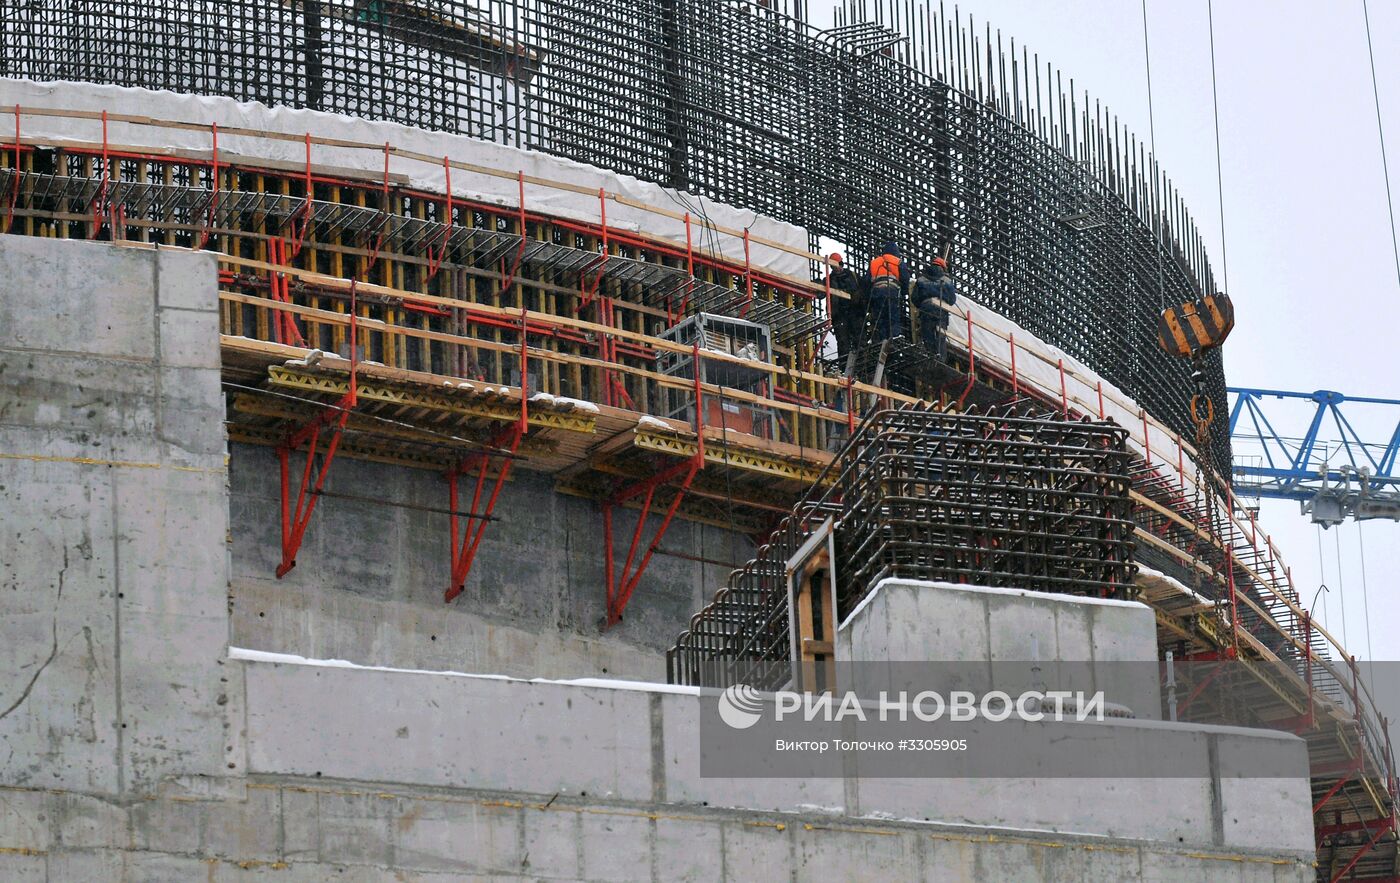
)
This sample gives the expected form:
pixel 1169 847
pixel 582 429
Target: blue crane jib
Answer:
pixel 1333 479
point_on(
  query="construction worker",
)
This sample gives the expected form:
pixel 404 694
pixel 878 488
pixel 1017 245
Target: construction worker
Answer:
pixel 934 292
pixel 887 282
pixel 847 315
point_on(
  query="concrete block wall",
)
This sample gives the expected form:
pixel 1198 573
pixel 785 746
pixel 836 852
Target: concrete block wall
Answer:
pixel 113 519
pixel 640 744
pixel 369 579
pixel 316 829
pixel 995 634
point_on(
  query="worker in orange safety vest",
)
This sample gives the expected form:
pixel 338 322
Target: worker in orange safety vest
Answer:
pixel 887 282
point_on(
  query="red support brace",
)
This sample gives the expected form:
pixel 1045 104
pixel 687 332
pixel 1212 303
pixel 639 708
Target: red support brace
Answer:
pixel 1370 844
pixel 284 324
pixel 99 203
pixel 1015 382
pixel 619 587
pixel 1064 391
pixel 295 520
pixel 464 553
pixel 590 292
pixel 850 408
pixel 505 442
pixel 383 210
pixel 1205 682
pixel 1344 827
pixel 306 209
pixel 748 278
pixel 1181 468
pixel 1307 666
pixel 1331 792
pixel 436 255
pixel 1146 440
pixel 689 269
pixel 214 193
pixel 14 190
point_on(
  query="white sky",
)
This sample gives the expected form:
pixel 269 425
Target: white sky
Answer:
pixel 1311 270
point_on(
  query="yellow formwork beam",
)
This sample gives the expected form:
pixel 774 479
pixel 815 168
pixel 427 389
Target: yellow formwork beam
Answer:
pixel 246 403
pixel 749 459
pixel 370 389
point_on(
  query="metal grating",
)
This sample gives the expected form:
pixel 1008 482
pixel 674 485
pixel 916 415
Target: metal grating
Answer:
pixel 991 499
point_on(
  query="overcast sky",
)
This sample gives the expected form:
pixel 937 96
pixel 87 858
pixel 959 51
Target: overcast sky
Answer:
pixel 1311 270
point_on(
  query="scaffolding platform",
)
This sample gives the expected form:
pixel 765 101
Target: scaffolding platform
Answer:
pixel 422 420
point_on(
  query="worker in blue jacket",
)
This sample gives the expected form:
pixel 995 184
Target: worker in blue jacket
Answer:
pixel 934 293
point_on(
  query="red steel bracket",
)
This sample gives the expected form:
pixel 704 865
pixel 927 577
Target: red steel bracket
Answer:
pixel 586 291
pixel 505 442
pixel 214 193
pixel 284 326
pixel 295 519
pixel 1370 844
pixel 14 190
pixel 437 254
pixel 464 553
pixel 307 211
pixel 620 586
pixel 384 211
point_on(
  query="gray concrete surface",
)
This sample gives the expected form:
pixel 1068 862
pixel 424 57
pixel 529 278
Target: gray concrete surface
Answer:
pixel 640 742
pixel 369 579
pixel 304 830
pixel 1026 640
pixel 113 519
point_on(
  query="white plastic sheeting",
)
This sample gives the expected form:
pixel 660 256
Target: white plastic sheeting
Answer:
pixel 1037 366
pixel 201 111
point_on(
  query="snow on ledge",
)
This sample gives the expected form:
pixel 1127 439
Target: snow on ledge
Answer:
pixel 985 590
pixel 1176 584
pixel 265 656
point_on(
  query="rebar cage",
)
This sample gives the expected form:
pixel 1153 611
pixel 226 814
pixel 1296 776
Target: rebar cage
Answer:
pixel 1055 215
pixel 991 499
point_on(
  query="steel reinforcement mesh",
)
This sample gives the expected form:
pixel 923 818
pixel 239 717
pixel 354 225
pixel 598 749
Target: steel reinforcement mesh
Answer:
pixel 901 122
pixel 989 499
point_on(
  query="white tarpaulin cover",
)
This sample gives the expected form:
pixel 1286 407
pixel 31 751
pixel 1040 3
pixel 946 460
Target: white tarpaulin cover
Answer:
pixel 227 113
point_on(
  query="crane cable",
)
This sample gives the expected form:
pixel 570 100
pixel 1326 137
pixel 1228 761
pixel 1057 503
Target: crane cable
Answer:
pixel 1341 588
pixel 1380 130
pixel 1219 181
pixel 1366 608
pixel 1152 133
pixel 1322 579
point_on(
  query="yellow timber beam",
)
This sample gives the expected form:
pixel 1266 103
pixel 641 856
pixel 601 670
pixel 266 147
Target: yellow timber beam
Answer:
pixel 750 459
pixel 540 415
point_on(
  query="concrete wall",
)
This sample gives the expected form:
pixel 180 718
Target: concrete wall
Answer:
pixel 1076 643
pixel 369 579
pixel 640 744
pixel 315 829
pixel 113 520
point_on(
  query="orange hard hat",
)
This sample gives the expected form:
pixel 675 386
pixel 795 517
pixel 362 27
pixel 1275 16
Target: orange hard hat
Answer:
pixel 939 262
pixel 835 257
